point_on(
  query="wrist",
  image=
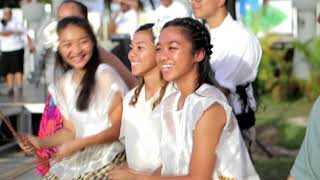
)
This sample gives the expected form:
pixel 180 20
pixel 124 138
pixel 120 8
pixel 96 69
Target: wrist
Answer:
pixel 42 143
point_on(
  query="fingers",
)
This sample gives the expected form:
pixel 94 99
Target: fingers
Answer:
pixel 58 156
pixel 27 148
pixel 26 145
pixel 114 175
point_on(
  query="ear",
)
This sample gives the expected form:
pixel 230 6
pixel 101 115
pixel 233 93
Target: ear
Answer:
pixel 222 3
pixel 199 55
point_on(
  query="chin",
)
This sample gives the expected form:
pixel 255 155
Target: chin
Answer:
pixel 135 72
pixel 168 78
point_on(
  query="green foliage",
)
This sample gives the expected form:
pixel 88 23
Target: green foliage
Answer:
pixel 275 72
pixel 291 136
pixel 311 51
pixel 45 1
pixel 274 169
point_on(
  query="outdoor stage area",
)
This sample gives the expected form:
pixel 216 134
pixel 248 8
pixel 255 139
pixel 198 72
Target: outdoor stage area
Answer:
pixel 24 112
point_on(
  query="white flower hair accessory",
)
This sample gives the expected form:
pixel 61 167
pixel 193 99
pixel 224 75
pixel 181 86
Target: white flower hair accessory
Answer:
pixel 158 25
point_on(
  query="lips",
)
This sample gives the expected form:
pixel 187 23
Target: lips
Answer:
pixel 166 67
pixel 134 63
pixel 78 59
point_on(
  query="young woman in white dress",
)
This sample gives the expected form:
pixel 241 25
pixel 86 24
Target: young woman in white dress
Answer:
pixel 200 138
pixel 138 129
pixel 89 96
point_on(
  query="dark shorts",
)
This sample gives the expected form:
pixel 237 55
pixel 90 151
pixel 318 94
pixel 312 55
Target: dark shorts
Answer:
pixel 11 62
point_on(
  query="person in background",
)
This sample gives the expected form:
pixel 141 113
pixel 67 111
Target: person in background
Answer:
pixel 235 59
pixel 124 21
pixel 170 9
pixel 12 34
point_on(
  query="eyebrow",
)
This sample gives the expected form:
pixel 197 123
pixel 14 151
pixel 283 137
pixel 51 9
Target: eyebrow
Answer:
pixel 140 42
pixel 170 42
pixel 81 38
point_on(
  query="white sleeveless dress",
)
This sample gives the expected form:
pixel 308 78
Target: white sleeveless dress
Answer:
pixel 90 122
pixel 232 160
pixel 140 132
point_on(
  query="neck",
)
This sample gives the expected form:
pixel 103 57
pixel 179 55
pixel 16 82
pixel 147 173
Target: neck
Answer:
pixel 78 75
pixel 153 82
pixel 186 84
pixel 217 19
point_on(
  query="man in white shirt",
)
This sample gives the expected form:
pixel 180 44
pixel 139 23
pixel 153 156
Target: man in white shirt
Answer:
pixel 235 58
pixel 124 21
pixel 171 9
pixel 12 35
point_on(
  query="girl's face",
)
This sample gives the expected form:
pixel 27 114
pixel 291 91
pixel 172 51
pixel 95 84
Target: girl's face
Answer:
pixel 174 54
pixel 75 46
pixel 142 54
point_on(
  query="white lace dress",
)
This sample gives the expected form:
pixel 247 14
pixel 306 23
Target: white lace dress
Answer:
pixel 140 132
pixel 92 121
pixel 177 137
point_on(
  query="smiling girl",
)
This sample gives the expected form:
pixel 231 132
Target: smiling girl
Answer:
pixel 200 138
pixel 89 96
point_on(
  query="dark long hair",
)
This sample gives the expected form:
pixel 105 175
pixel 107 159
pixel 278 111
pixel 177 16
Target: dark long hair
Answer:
pixel 199 37
pixel 87 83
pixel 134 98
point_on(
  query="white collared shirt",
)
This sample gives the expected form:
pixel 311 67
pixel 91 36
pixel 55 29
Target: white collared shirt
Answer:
pixel 175 10
pixel 236 54
pixel 127 22
pixel 13 42
pixel 235 58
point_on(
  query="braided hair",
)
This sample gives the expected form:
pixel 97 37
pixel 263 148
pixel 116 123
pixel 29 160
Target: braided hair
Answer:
pixel 199 37
pixel 134 98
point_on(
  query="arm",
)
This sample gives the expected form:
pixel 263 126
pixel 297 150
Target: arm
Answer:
pixel 67 133
pixel 239 67
pixel 30 44
pixel 30 143
pixel 206 138
pixel 107 57
pixel 108 135
pixel 7 33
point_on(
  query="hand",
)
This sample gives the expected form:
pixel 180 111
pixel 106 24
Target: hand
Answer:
pixel 120 174
pixel 26 145
pixel 67 150
pixel 32 49
pixel 35 141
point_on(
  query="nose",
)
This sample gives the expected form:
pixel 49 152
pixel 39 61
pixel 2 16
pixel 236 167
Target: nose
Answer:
pixel 132 55
pixel 76 49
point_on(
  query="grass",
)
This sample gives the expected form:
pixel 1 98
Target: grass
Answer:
pixel 274 169
pixel 272 114
pixel 276 114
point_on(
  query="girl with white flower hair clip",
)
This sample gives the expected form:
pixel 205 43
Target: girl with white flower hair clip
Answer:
pixel 139 129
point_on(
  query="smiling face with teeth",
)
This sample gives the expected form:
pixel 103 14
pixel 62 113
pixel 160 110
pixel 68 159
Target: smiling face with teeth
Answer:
pixel 175 57
pixel 75 46
pixel 143 53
